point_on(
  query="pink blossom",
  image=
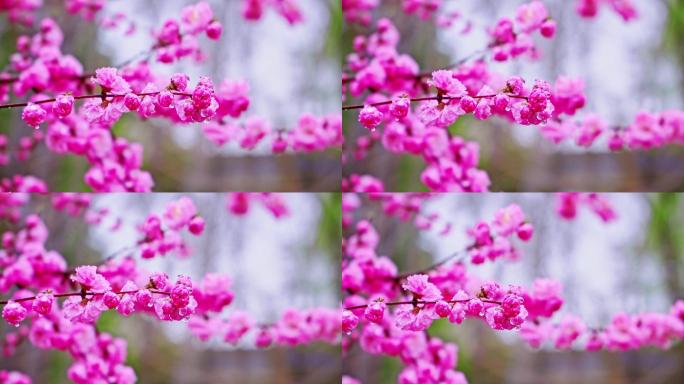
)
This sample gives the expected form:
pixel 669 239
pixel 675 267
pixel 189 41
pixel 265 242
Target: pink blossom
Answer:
pixel 88 278
pixel 178 214
pixel 43 302
pixel 446 83
pixel 508 220
pixel 349 321
pixel 237 325
pixel 264 338
pixel 568 330
pixel 14 313
pixel 589 130
pixel 63 105
pixel 370 117
pixel 375 311
pixel 214 30
pixel 33 115
pixel 421 288
pixel 399 108
pixel 197 17
pixel 532 15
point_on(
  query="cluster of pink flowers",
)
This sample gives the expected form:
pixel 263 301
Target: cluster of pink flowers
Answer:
pixel 54 307
pixel 294 327
pixel 162 235
pixel 401 118
pixel 38 278
pixel 568 203
pixel 360 11
pixel 492 241
pixel 14 377
pixel 74 204
pixel 647 131
pixel 240 203
pixel 405 207
pixel 393 92
pixel 590 8
pixel 23 11
pixel 388 313
pixel 25 261
pixel 80 205
pixel 87 132
pixel 287 9
pixel 624 331
pixel 168 301
pixel 22 184
pixel 513 38
pixel 178 38
pixel 312 133
pixel 198 16
pixel 11 205
pixel 362 184
pixel 57 84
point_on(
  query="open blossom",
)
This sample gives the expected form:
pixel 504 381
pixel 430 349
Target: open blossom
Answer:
pixel 458 309
pixel 43 302
pixel 590 129
pixel 233 99
pixel 568 95
pixel 446 83
pixel 33 115
pixel 410 318
pixel 531 15
pixel 63 105
pixel 111 82
pixel 375 311
pixel 569 329
pixel 178 214
pixel 164 99
pixel 508 220
pixel 14 313
pixel 370 117
pixel 132 101
pixel 81 310
pixel 515 85
pixel 254 131
pixel 214 293
pixel 237 325
pixel 197 17
pixel 421 288
pixel 349 321
pixel 400 106
pixel 89 279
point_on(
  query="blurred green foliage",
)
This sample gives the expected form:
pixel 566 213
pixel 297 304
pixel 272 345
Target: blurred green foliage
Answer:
pixel 674 29
pixel 333 42
pixel 665 236
pixel 330 227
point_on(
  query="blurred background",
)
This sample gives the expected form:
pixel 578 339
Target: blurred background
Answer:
pixel 291 70
pixel 634 264
pixel 297 267
pixel 626 67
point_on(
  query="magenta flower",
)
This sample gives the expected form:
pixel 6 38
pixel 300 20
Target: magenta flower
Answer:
pixel 14 313
pixel 89 279
pixel 421 288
